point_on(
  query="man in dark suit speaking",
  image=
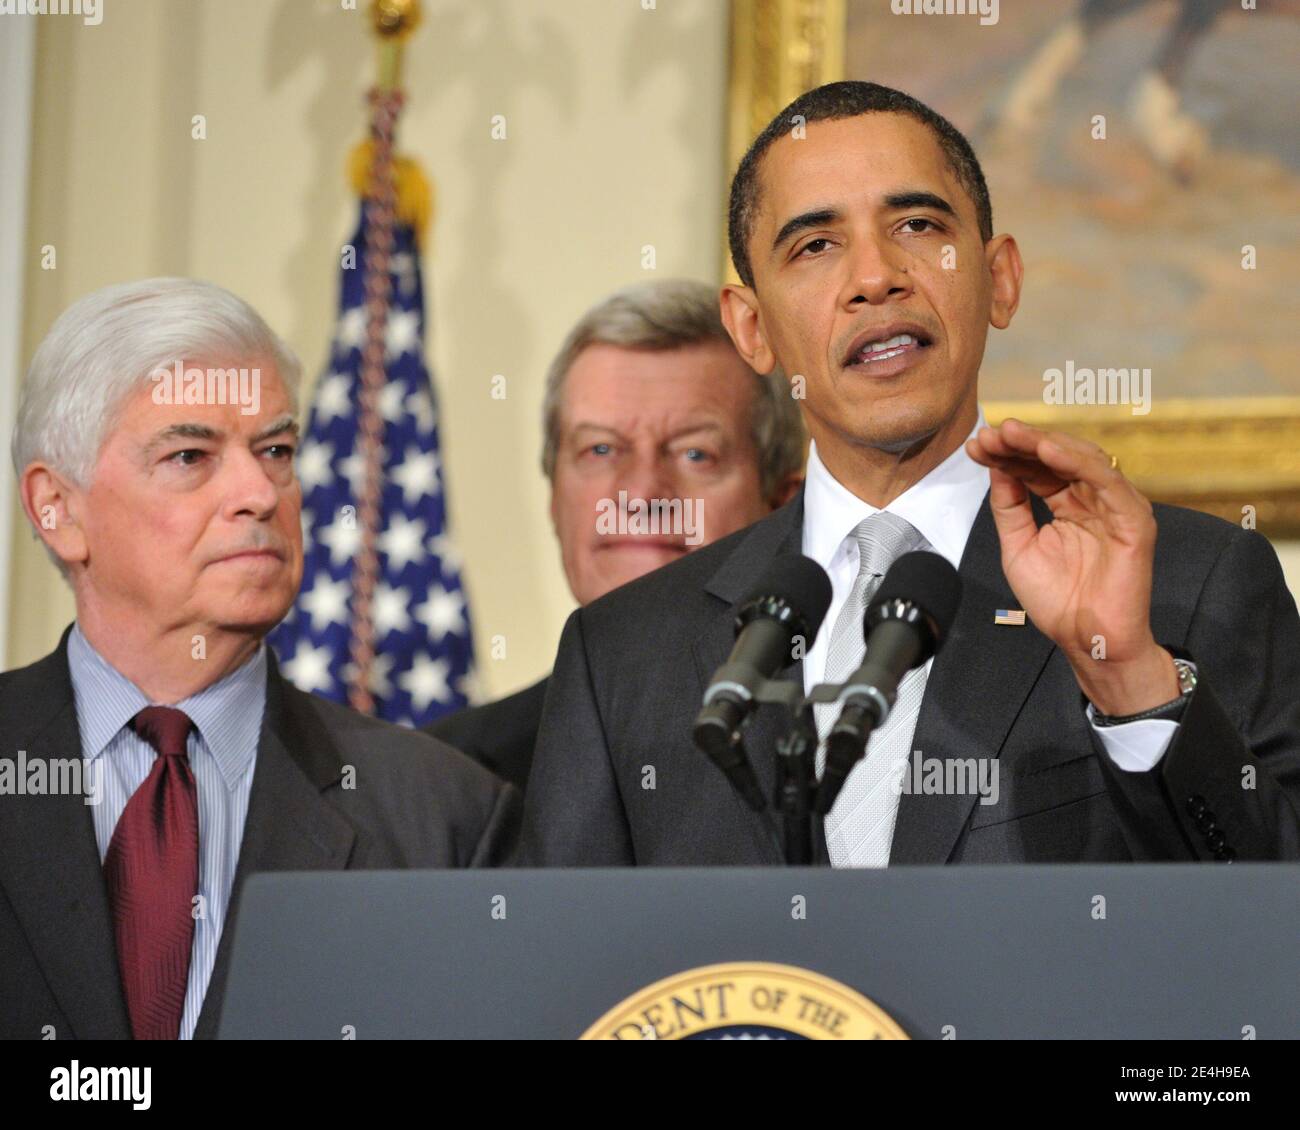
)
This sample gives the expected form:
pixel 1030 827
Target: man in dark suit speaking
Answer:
pixel 1123 676
pixel 157 757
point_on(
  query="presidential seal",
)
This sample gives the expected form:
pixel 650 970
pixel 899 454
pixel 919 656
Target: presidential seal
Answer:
pixel 750 1000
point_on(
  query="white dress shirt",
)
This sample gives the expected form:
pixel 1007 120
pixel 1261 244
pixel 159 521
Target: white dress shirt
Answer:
pixel 943 507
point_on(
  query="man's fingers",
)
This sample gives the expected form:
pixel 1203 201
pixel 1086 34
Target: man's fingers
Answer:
pixel 1012 513
pixel 1015 446
pixel 1030 470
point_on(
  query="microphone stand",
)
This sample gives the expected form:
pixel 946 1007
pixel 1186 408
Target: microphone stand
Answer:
pixel 794 795
pixel 796 781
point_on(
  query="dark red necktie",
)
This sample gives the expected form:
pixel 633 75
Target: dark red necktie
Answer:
pixel 152 872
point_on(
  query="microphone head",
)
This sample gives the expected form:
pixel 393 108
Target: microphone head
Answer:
pixel 794 590
pixel 925 580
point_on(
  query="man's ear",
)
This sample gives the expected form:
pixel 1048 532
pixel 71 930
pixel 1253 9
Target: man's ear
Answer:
pixel 739 307
pixel 1007 271
pixel 786 489
pixel 52 504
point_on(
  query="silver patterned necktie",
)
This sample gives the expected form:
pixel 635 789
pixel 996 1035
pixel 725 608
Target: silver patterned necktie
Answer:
pixel 860 828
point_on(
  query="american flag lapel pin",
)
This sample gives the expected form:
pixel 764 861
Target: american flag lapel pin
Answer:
pixel 1013 616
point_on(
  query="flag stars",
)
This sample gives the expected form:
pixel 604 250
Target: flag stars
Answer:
pixel 402 542
pixel 420 405
pixel 314 458
pixel 333 398
pixel 402 334
pixel 417 475
pixel 402 266
pixel 426 682
pixel 390 610
pixel 354 470
pixel 327 603
pixel 391 397
pixel 445 551
pixel 418 614
pixel 342 536
pixel 309 669
pixel 469 687
pixel 443 613
pixel 351 332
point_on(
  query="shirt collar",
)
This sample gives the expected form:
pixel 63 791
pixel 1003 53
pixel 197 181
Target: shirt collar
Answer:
pixel 227 714
pixel 942 506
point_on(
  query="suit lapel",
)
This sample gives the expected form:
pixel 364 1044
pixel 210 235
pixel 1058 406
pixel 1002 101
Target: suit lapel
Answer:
pixel 978 684
pixel 290 826
pixel 50 862
pixel 782 532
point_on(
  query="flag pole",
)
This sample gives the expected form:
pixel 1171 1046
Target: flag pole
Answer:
pixel 393 21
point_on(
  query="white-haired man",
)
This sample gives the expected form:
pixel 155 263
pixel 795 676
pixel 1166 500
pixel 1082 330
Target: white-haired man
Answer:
pixel 154 449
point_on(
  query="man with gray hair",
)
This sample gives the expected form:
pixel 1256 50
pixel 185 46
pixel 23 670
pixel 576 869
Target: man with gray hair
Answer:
pixel 658 439
pixel 154 450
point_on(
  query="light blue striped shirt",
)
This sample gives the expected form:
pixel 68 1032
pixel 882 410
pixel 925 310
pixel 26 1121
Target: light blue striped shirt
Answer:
pixel 222 750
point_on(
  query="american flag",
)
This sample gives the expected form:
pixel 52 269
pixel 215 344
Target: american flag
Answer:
pixel 1012 616
pixel 424 654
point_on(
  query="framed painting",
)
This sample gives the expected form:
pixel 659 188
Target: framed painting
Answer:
pixel 1146 155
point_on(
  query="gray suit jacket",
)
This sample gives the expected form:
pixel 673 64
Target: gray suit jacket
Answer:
pixel 416 803
pixel 632 668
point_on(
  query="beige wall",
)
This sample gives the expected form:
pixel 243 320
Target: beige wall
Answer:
pixel 614 120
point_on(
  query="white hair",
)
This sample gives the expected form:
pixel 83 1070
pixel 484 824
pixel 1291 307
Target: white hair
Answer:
pixel 103 348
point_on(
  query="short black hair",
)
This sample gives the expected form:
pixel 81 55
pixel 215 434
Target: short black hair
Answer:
pixel 831 102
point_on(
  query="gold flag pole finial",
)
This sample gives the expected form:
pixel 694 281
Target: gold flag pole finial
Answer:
pixel 394 21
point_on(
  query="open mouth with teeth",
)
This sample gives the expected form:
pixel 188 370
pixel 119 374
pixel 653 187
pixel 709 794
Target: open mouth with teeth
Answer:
pixel 881 349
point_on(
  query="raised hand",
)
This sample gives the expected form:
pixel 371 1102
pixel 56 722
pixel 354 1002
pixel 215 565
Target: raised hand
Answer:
pixel 1084 578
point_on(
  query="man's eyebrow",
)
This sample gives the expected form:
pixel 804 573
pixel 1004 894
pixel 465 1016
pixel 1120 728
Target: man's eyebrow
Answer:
pixel 285 423
pixel 919 198
pixel 181 431
pixel 817 218
pixel 587 426
pixel 905 198
pixel 692 429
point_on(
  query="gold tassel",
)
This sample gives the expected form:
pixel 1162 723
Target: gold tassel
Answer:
pixel 414 192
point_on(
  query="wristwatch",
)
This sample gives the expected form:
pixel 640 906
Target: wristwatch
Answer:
pixel 1170 711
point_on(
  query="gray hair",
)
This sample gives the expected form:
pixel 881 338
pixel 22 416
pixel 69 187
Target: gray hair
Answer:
pixel 103 348
pixel 671 314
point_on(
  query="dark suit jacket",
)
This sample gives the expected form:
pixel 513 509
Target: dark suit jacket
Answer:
pixel 632 668
pixel 415 803
pixel 500 735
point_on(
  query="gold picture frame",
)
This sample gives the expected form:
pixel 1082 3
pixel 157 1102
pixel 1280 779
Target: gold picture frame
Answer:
pixel 1236 457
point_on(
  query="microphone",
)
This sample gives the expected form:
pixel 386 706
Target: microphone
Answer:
pixel 905 623
pixel 791 600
